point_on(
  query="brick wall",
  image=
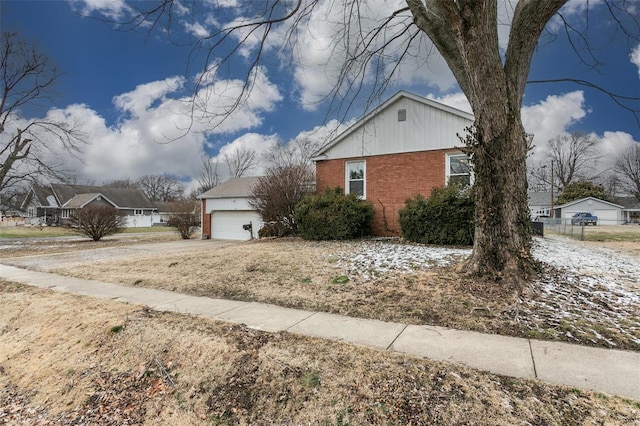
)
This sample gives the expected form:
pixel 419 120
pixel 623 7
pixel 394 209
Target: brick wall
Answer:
pixel 390 180
pixel 205 221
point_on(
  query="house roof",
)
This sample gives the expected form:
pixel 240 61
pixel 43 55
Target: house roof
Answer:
pixel 540 198
pixel 75 196
pixel 564 206
pixel 81 200
pixel 629 203
pixel 41 196
pixel 386 104
pixel 239 187
pixel 120 197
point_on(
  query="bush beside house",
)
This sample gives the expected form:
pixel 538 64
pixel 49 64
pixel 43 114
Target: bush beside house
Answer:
pixel 445 218
pixel 333 215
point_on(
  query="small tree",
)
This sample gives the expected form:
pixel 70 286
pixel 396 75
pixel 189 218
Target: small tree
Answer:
pixel 185 218
pixel 96 222
pixel 276 195
pixel 333 215
pixel 582 189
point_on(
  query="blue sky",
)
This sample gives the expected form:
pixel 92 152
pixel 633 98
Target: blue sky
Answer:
pixel 125 86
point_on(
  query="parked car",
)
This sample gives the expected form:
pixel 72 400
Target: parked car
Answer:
pixel 584 218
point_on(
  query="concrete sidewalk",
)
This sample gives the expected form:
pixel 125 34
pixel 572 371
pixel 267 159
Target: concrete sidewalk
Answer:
pixel 612 371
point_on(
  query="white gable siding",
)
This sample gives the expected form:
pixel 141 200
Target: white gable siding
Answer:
pixel 426 128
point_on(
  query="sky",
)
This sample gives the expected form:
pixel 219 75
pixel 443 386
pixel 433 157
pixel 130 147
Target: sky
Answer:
pixel 129 88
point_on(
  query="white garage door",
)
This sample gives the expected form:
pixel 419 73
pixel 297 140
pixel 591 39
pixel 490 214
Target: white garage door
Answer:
pixel 227 225
pixel 606 217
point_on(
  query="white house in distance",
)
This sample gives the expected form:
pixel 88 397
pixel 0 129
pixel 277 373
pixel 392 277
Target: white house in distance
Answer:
pixel 226 211
pixel 56 203
pixel 607 213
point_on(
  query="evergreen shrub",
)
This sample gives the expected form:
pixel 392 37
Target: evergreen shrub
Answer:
pixel 445 218
pixel 333 215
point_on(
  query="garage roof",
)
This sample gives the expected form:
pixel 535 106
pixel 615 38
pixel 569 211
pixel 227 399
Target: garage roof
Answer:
pixel 586 199
pixel 233 188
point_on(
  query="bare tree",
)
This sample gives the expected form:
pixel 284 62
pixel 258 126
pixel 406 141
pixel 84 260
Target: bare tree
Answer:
pixel 628 170
pixel 26 151
pixel 240 162
pixel 573 158
pixel 161 187
pixel 185 217
pixel 207 175
pixel 297 152
pixel 276 195
pixel 372 49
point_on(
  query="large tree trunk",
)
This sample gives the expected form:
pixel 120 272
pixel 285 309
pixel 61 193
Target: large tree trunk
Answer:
pixel 502 235
pixel 466 34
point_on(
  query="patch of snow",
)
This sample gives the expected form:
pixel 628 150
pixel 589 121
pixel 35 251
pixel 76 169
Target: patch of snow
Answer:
pixel 586 285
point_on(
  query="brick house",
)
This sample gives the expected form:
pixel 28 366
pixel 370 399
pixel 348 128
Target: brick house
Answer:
pixel 406 146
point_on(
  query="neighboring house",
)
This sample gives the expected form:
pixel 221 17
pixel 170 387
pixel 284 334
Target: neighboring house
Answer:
pixel 607 213
pixel 55 203
pixel 539 204
pixel 631 211
pixel 407 146
pixel 226 211
pixel 165 210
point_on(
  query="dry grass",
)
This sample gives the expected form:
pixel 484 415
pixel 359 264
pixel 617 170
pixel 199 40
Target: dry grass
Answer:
pixel 28 247
pixel 67 359
pixel 312 276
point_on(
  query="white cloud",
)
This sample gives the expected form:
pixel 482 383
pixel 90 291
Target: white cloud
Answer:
pixel 553 116
pixel 138 101
pixel 153 114
pixel 455 100
pixel 545 120
pixel 197 29
pixel 325 42
pixel 112 9
pixel 613 145
pixel 635 57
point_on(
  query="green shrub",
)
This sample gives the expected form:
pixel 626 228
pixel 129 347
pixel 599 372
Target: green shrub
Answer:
pixel 275 229
pixel 445 218
pixel 333 215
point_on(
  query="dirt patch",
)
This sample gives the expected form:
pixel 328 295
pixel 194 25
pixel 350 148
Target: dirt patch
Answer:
pixel 67 359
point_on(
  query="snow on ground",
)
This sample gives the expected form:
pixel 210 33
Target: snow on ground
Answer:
pixel 585 291
pixel 372 258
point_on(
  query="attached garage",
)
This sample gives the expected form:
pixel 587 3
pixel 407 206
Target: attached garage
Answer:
pixel 229 224
pixel 226 211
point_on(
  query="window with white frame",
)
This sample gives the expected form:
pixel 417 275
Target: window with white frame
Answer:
pixel 458 170
pixel 31 212
pixel 355 178
pixel 138 212
pixel 66 213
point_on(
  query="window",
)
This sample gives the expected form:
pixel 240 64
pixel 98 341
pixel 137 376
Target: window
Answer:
pixel 32 212
pixel 138 212
pixel 355 179
pixel 66 213
pixel 458 170
pixel 402 115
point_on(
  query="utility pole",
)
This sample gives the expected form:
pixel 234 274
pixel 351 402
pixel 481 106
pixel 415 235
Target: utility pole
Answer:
pixel 551 211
